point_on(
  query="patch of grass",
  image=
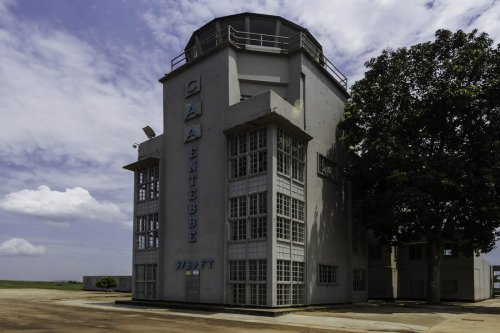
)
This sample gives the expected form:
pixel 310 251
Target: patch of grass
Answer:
pixel 65 285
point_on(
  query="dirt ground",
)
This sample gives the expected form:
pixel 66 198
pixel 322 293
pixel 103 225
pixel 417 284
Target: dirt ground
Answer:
pixel 37 310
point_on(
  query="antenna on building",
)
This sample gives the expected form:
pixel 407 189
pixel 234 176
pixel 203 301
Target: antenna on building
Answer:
pixel 150 133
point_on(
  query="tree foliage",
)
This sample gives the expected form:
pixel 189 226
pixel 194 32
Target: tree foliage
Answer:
pixel 424 124
pixel 106 282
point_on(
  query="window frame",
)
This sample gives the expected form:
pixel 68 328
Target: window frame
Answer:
pixel 146 232
pixel 291 157
pixel 247 217
pixel 359 279
pixel 335 275
pixel 243 155
pixel 146 282
pixel 147 183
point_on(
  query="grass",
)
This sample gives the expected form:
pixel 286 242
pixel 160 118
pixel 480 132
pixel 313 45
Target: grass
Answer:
pixel 67 285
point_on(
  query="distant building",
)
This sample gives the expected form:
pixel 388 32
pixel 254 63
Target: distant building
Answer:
pixel 242 200
pixel 123 282
pixel 402 273
pixel 496 280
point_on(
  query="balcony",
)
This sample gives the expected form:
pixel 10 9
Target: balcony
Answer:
pixel 259 42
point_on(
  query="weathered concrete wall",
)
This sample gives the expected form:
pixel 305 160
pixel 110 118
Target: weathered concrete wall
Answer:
pixel 482 279
pixel 328 216
pixel 211 177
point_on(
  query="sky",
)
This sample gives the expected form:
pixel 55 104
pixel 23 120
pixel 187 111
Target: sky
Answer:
pixel 79 80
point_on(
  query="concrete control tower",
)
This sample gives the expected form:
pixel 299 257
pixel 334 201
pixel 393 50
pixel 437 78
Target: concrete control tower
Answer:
pixel 242 200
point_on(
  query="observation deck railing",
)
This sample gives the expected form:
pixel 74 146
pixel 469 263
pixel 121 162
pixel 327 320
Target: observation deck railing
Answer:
pixel 260 42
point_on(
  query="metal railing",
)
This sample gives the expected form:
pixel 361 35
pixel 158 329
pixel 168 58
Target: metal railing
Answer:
pixel 262 42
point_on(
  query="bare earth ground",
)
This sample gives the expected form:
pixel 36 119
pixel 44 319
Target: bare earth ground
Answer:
pixel 37 310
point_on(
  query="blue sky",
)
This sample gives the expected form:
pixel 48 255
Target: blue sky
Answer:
pixel 78 81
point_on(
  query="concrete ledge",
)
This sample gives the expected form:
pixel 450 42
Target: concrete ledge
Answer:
pixel 257 311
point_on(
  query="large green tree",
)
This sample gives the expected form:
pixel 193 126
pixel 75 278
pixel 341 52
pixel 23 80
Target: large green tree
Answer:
pixel 424 128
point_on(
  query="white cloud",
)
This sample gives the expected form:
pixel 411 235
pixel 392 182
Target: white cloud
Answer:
pixel 70 109
pixel 20 247
pixel 72 204
pixel 127 224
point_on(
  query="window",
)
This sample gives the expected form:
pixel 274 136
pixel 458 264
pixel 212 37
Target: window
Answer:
pixel 283 270
pixel 145 281
pixel 255 283
pixel 237 207
pixel 291 156
pixel 450 250
pixel 248 153
pixel 257 270
pixel 327 274
pixel 298 232
pixel 253 216
pixel 297 221
pixel 282 228
pixel 257 276
pixel 290 213
pixel 146 231
pixel 325 167
pixel 415 251
pixel 238 292
pixel 359 279
pixel 297 210
pixel 148 183
pixel 290 282
pixel 258 215
pixel 283 205
pixel 239 230
pixel 297 271
pixel 237 216
pixel 258 294
pixel 283 294
pixel 237 271
pixel 237 279
pixel 298 294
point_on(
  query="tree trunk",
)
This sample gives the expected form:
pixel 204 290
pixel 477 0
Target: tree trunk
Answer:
pixel 434 254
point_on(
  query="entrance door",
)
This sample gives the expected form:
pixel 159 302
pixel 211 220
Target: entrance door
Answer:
pixel 193 286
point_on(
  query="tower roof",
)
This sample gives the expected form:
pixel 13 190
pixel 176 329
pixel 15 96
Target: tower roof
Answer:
pixel 253 23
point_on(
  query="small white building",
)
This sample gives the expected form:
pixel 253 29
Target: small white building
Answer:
pixel 402 273
pixel 123 282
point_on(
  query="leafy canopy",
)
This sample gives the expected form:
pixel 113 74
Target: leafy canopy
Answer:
pixel 424 124
pixel 105 282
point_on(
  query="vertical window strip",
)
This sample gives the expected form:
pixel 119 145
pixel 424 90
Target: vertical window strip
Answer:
pixel 290 219
pixel 146 231
pixel 146 281
pixel 252 216
pixel 148 183
pixel 359 280
pixel 290 282
pixel 291 156
pixel 254 282
pixel 248 153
